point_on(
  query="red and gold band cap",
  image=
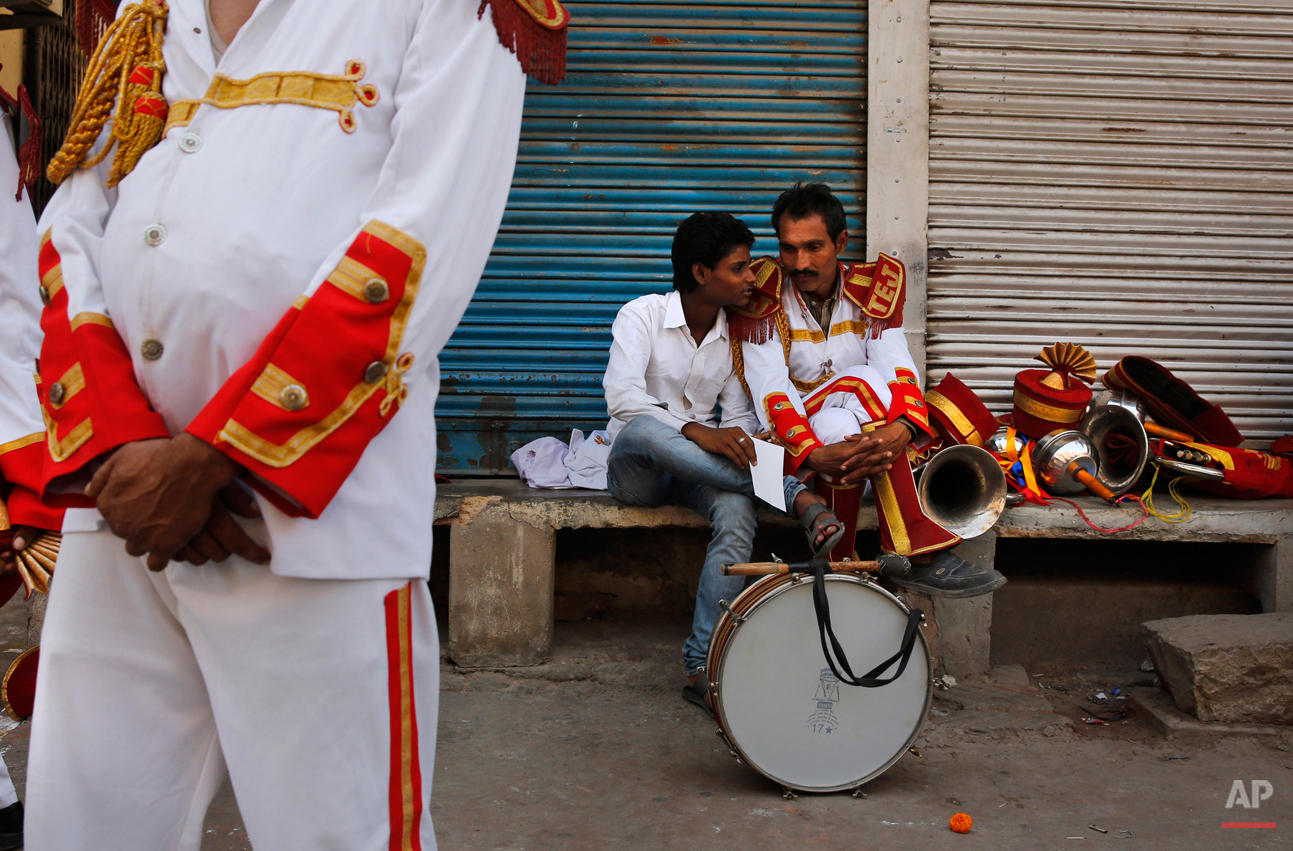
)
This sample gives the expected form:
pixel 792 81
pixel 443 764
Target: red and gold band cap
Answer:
pixel 959 415
pixel 1040 409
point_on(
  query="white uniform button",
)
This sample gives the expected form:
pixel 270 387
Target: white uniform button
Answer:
pixel 154 234
pixel 190 143
pixel 151 349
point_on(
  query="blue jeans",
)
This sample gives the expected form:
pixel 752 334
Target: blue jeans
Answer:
pixel 653 464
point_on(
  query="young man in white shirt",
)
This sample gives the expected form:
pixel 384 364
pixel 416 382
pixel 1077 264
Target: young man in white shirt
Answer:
pixel 687 438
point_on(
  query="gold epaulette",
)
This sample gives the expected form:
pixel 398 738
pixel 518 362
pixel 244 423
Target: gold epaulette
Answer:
pixel 755 322
pixel 878 289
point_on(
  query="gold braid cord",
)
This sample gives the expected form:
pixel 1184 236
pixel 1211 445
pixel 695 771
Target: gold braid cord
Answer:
pixel 125 71
pixel 738 357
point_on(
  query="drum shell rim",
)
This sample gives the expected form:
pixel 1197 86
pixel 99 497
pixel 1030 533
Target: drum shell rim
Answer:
pixel 726 627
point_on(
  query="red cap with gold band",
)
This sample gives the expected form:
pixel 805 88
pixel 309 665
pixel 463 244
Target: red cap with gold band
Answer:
pixel 1049 399
pixel 958 415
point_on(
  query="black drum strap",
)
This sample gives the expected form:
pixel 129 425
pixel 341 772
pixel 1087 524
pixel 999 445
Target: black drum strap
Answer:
pixel 832 649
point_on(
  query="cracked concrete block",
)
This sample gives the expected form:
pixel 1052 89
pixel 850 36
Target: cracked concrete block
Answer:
pixel 965 626
pixel 1232 668
pixel 1272 582
pixel 501 576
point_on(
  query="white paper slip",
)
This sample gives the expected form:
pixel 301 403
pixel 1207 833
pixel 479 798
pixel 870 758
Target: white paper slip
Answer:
pixel 767 474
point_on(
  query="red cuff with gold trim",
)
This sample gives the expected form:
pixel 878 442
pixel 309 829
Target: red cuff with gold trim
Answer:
pixel 793 429
pixel 327 379
pixel 88 394
pixel 908 401
pixel 23 460
pixel 27 509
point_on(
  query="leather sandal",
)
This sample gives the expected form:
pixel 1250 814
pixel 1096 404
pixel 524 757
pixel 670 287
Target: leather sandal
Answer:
pixel 815 520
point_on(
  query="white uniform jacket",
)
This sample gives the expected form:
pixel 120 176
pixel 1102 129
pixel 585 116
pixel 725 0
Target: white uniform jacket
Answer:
pixel 278 274
pixel 789 361
pixel 656 369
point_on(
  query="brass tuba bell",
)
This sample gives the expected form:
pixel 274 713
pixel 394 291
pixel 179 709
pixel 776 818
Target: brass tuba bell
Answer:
pixel 963 489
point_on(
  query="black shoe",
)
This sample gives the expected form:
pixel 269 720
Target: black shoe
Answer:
pixel 11 827
pixel 695 694
pixel 949 575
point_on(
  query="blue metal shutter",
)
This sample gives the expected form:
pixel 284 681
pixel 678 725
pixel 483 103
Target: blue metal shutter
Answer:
pixel 668 108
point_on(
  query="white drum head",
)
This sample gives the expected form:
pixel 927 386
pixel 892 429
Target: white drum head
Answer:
pixel 787 714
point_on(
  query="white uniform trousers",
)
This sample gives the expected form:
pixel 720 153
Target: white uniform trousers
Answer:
pixel 321 696
pixel 8 794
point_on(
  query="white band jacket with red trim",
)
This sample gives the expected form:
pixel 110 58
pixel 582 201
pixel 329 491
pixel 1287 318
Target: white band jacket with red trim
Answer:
pixel 279 273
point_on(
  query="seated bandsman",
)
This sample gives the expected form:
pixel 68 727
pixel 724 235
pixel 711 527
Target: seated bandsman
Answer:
pixel 688 422
pixel 826 362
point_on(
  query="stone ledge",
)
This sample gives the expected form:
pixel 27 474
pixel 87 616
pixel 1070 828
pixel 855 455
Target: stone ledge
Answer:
pixel 1215 519
pixel 575 508
pixel 1164 717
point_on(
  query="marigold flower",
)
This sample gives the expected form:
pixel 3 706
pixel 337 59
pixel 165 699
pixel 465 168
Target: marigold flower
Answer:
pixel 961 823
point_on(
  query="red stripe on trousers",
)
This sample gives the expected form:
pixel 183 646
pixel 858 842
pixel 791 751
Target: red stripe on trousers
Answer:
pixel 399 644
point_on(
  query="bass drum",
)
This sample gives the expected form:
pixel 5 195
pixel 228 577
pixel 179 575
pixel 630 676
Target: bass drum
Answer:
pixel 781 709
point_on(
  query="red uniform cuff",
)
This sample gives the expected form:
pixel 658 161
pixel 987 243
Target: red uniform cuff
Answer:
pixel 908 402
pixel 88 394
pixel 792 428
pixel 299 415
pixel 27 509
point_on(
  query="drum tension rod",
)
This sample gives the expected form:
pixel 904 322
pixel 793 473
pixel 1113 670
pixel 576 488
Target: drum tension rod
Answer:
pixel 788 793
pixel 858 793
pixel 723 604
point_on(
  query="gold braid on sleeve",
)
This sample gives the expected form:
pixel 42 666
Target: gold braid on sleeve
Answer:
pixel 126 72
pixel 738 356
pixel 738 363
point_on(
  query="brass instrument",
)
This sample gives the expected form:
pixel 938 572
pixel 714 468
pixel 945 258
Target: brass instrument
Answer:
pixel 963 489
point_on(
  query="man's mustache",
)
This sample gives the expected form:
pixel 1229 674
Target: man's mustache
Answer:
pixel 803 273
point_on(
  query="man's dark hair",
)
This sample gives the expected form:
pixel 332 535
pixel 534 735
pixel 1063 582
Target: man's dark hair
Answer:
pixel 705 238
pixel 805 199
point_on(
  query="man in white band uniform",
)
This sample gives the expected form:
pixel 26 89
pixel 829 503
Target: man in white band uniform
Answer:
pixel 251 302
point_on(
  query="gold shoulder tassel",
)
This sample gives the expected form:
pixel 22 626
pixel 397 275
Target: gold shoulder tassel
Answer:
pixel 126 70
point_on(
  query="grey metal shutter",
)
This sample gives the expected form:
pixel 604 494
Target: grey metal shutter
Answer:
pixel 1115 174
pixel 668 108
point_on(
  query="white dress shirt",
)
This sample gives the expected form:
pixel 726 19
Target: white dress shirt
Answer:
pixel 657 370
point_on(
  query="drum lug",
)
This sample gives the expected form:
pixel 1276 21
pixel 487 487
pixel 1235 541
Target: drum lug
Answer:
pixel 736 756
pixel 795 577
pixel 788 793
pixel 858 793
pixel 725 606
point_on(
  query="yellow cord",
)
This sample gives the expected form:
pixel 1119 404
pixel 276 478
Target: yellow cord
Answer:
pixel 1173 490
pixel 125 71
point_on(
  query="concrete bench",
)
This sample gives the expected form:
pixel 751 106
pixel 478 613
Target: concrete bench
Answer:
pixel 503 553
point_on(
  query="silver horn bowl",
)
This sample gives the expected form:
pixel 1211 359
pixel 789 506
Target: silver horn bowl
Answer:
pixel 1055 452
pixel 1122 399
pixel 1117 473
pixel 998 443
pixel 963 489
